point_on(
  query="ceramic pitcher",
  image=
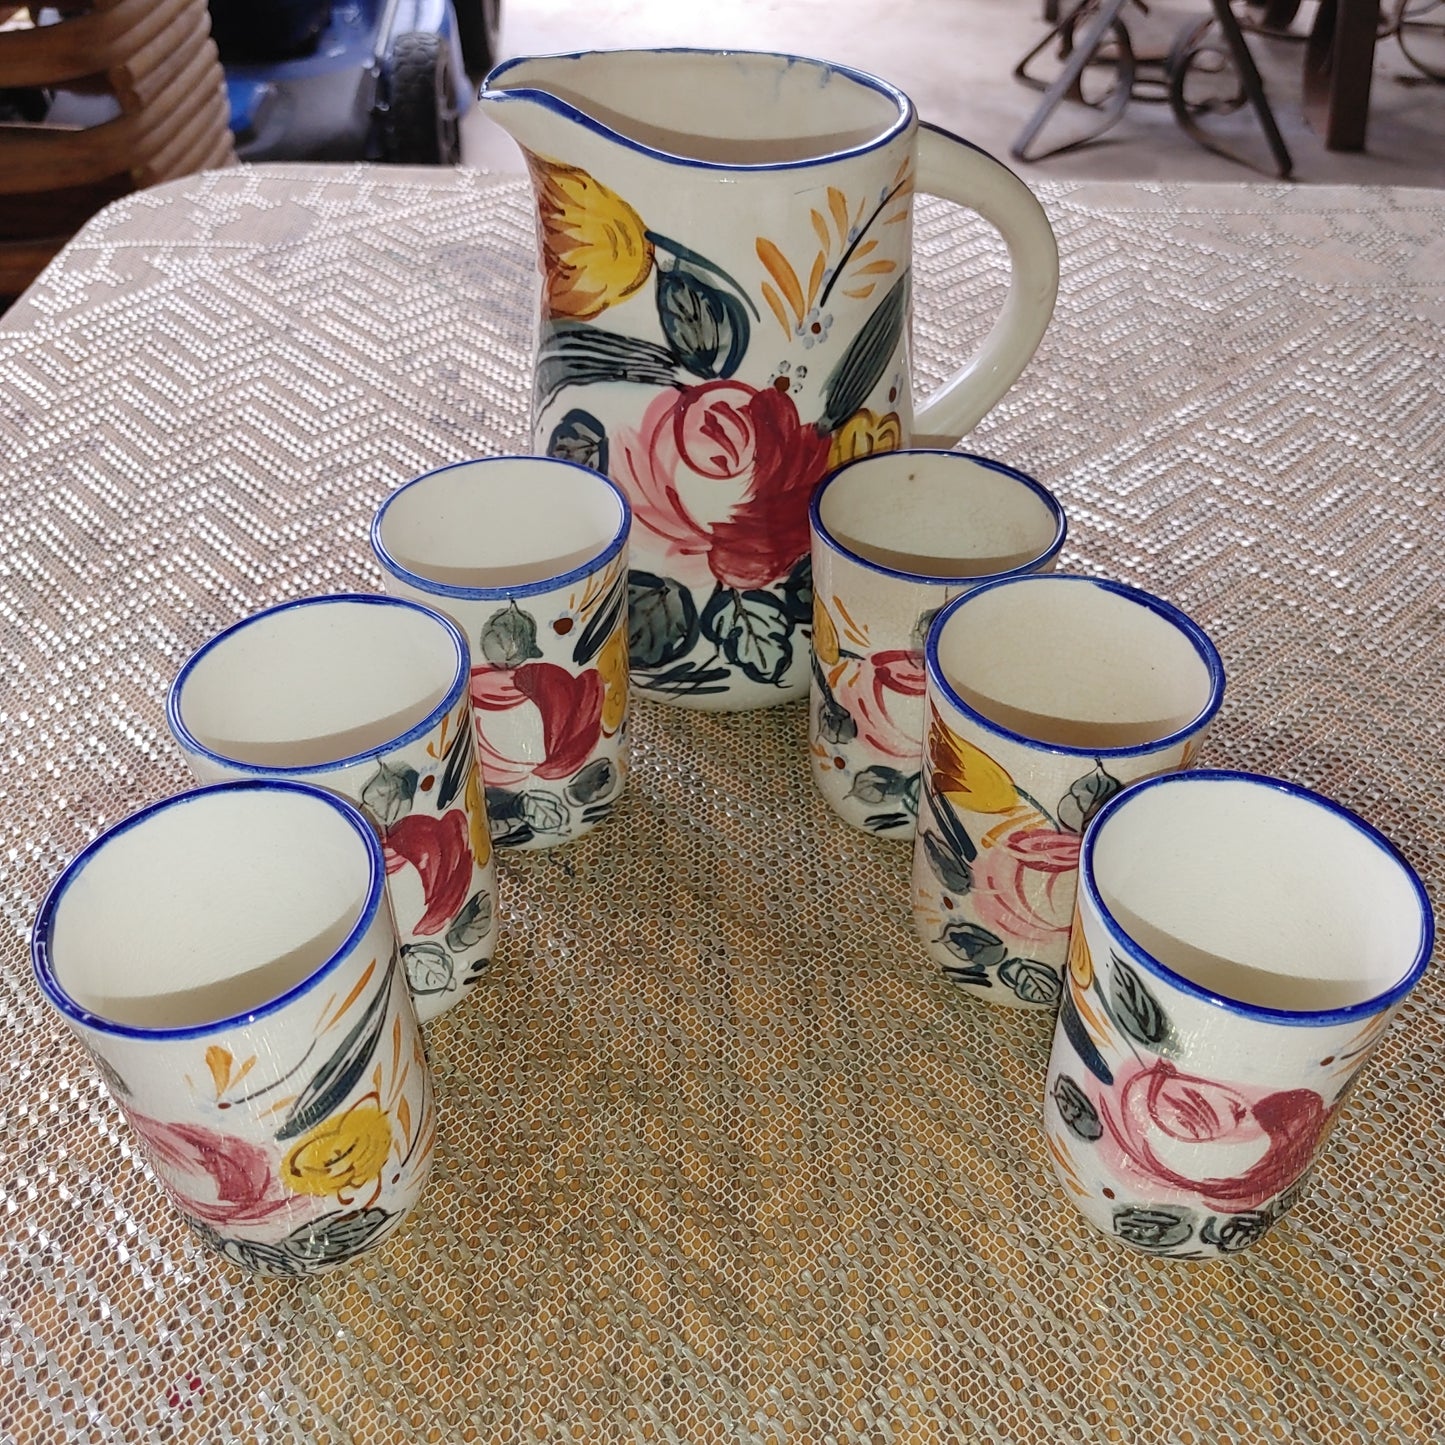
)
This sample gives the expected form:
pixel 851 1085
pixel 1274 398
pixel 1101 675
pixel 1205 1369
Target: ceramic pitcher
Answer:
pixel 725 246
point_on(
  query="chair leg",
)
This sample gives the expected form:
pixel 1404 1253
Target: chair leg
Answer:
pixel 1187 47
pixel 1253 85
pixel 1105 18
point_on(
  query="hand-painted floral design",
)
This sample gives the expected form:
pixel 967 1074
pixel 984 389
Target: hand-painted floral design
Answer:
pixel 595 249
pixel 1155 1230
pixel 720 474
pixel 1002 863
pixel 440 849
pixel 342 1155
pixel 355 1130
pixel 316 1245
pixel 706 326
pixel 864 434
pixel 568 719
pixel 478 833
pixel 612 668
pixel 550 759
pixel 1023 885
pixel 718 470
pixel 213 1177
pixel 1197 1165
pixel 1075 1109
pixel 1233 1148
pixel 848 257
pixel 579 437
pixel 432 819
pixel 875 691
pixel 965 776
pixel 1081 961
pixel 430 969
pixel 1166 1229
pixel 866 717
pixel 509 639
pixel 1231 1233
pixel 826 647
pixel 815 327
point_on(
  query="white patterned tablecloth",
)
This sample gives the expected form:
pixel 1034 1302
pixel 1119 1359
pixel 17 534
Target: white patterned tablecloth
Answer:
pixel 722 1158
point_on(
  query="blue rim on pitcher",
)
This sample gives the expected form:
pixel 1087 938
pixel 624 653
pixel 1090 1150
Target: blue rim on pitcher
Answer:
pixel 456 689
pixel 1146 960
pixel 522 589
pixel 547 100
pixel 42 933
pixel 978 579
pixel 1204 649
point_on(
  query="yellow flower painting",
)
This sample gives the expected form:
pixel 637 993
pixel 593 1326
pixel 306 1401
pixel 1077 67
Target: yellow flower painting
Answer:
pixel 966 775
pixel 595 250
pixel 864 434
pixel 825 634
pixel 481 838
pixel 341 1155
pixel 612 666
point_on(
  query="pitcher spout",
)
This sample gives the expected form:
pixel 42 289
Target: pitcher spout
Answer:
pixel 713 109
pixel 536 100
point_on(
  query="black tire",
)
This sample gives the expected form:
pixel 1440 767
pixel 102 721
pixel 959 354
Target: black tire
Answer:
pixel 419 127
pixel 479 28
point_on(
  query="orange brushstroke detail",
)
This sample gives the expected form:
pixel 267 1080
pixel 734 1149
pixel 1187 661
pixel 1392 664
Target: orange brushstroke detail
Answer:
pixel 775 301
pixel 783 274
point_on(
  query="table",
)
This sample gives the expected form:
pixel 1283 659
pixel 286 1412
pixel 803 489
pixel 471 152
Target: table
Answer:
pixel 1339 68
pixel 1339 64
pixel 722 1158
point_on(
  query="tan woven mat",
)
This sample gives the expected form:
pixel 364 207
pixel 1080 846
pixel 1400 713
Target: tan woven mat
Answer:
pixel 722 1158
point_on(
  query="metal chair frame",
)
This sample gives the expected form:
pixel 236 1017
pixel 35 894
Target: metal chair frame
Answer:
pixel 1084 30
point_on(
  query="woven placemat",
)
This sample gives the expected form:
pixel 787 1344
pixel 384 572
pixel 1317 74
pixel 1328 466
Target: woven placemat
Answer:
pixel 722 1158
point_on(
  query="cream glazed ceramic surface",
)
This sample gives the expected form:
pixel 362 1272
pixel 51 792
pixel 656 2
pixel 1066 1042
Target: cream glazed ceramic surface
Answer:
pixel 227 958
pixel 1001 813
pixel 1241 946
pixel 725 247
pixel 529 556
pixel 894 537
pixel 366 695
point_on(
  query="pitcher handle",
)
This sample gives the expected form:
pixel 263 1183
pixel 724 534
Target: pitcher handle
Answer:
pixel 957 171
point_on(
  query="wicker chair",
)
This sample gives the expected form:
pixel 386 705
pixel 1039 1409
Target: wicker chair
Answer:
pixel 104 97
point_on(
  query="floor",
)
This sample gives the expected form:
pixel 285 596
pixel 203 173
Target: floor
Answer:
pixel 956 59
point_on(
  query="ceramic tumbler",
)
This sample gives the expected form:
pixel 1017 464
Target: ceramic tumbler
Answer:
pixel 1047 694
pixel 894 537
pixel 366 695
pixel 1241 946
pixel 227 958
pixel 529 556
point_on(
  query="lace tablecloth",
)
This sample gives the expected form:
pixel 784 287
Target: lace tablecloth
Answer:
pixel 722 1158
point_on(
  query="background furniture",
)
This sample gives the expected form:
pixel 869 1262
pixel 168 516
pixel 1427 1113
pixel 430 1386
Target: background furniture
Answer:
pixel 722 1157
pixel 1339 61
pixel 1339 67
pixel 1094 34
pixel 121 94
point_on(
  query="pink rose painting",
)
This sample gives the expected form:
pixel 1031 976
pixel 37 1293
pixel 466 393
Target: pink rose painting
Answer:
pixel 719 470
pixel 1232 1147
pixel 570 722
pixel 1004 864
pixel 214 1178
pixel 883 694
pixel 440 849
pixel 721 473
pixel 1024 885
